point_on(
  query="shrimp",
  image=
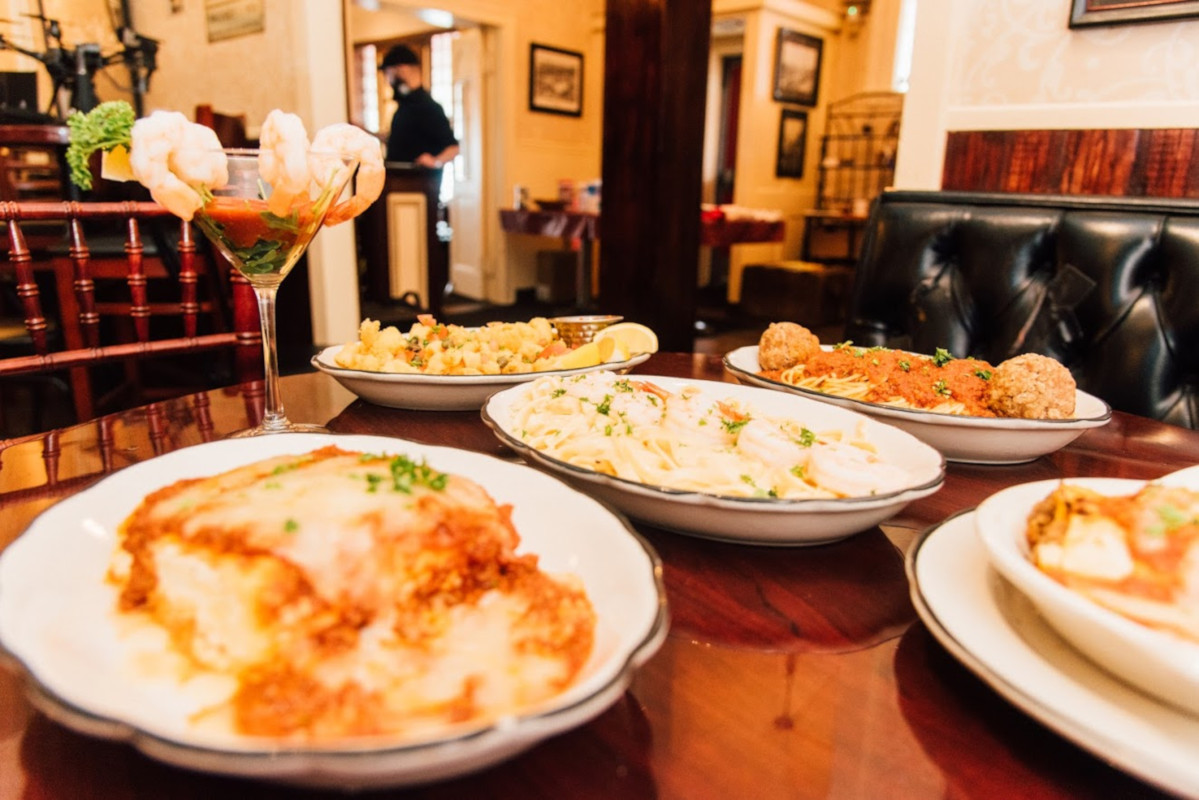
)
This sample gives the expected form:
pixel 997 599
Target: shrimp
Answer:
pixel 173 157
pixel 283 160
pixel 351 141
pixel 768 443
pixel 853 472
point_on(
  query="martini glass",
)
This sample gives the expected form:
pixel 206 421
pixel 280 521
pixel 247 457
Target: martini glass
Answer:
pixel 263 234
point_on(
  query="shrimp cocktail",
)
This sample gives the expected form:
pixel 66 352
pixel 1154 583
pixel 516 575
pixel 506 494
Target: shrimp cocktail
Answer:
pixel 260 208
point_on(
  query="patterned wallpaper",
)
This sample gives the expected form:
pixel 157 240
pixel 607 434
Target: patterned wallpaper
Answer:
pixel 1015 52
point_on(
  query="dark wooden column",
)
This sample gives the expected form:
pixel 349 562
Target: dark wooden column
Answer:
pixel 655 74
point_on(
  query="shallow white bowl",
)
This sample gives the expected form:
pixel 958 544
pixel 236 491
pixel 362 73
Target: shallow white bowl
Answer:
pixel 1159 663
pixel 59 626
pixel 973 440
pixel 753 520
pixel 438 392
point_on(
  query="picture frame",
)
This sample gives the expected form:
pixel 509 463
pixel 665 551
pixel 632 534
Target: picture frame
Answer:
pixel 555 80
pixel 797 58
pixel 792 144
pixel 1087 13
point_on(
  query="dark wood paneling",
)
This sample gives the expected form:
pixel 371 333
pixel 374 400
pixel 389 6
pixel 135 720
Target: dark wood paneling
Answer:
pixel 655 74
pixel 1157 162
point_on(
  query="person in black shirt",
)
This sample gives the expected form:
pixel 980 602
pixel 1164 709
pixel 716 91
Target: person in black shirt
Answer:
pixel 420 132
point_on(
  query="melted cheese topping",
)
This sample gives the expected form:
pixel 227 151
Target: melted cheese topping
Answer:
pixel 352 595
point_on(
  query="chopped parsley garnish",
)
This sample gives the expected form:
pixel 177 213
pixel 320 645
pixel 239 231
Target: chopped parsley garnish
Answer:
pixel 758 491
pixel 842 345
pixel 732 426
pixel 406 474
pixel 985 374
pixel 905 366
pixel 607 430
pixel 798 471
pixel 558 393
pixel 372 482
pixel 942 357
pixel 623 386
pixel 807 438
pixel 291 526
pixel 942 388
pixel 605 406
pixel 272 485
pixel 1172 516
pixel 288 467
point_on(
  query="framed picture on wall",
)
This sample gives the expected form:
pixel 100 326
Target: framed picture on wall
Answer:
pixel 555 80
pixel 793 137
pixel 797 67
pixel 1084 13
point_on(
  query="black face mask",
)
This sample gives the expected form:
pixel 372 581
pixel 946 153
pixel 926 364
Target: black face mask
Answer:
pixel 399 88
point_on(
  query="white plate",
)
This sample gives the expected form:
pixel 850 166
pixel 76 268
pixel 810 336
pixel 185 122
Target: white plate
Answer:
pixel 753 520
pixel 438 392
pixel 973 440
pixel 1160 663
pixel 998 634
pixel 59 625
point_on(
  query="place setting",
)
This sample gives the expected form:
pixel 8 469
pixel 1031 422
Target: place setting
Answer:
pixel 1047 593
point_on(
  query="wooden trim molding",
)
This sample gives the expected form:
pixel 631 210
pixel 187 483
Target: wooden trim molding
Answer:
pixel 1158 162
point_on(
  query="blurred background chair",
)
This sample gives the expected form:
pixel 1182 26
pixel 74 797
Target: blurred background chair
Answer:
pixel 33 162
pixel 230 128
pixel 119 330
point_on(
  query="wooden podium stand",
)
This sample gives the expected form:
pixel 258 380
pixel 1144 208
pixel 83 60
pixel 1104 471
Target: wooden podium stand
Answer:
pixel 400 209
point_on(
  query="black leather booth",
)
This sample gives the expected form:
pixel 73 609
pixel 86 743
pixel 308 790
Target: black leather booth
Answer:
pixel 1109 286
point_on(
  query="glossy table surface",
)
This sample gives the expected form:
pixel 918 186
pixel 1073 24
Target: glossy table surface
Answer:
pixel 788 672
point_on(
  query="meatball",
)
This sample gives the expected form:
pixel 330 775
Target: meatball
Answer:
pixel 1033 387
pixel 785 344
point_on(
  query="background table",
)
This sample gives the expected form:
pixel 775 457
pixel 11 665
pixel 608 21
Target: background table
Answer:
pixel 716 230
pixel 788 672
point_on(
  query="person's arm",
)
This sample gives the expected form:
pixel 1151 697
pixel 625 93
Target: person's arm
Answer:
pixel 440 160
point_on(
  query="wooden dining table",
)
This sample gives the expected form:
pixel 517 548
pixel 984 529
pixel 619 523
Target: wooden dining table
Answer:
pixel 788 672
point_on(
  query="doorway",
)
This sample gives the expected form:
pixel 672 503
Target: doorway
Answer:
pixel 455 52
pixel 726 159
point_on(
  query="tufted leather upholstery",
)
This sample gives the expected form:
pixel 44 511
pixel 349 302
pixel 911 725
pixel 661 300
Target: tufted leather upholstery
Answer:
pixel 1109 286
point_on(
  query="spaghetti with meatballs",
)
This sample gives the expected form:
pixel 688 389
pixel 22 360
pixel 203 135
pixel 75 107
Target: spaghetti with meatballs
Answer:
pixel 1028 386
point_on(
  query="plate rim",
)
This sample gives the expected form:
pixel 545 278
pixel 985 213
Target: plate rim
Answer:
pixel 291 757
pixel 1060 721
pixel 1010 424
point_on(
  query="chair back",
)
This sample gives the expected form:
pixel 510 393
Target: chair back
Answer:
pixel 230 128
pixel 80 342
pixel 33 162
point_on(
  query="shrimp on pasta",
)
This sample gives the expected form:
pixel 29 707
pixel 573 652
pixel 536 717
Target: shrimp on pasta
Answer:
pixel 694 441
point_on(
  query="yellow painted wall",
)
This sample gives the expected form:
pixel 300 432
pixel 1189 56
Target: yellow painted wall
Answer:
pixel 852 61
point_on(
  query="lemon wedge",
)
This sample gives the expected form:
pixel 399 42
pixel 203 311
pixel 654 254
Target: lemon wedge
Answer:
pixel 114 165
pixel 631 338
pixel 591 354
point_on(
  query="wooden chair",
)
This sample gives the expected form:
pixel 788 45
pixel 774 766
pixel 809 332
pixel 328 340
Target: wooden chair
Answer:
pixel 230 128
pixel 33 162
pixel 80 341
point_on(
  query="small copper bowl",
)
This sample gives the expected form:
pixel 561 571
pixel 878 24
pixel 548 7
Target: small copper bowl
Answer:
pixel 583 328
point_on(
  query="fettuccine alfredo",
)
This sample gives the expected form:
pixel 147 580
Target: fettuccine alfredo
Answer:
pixel 696 441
